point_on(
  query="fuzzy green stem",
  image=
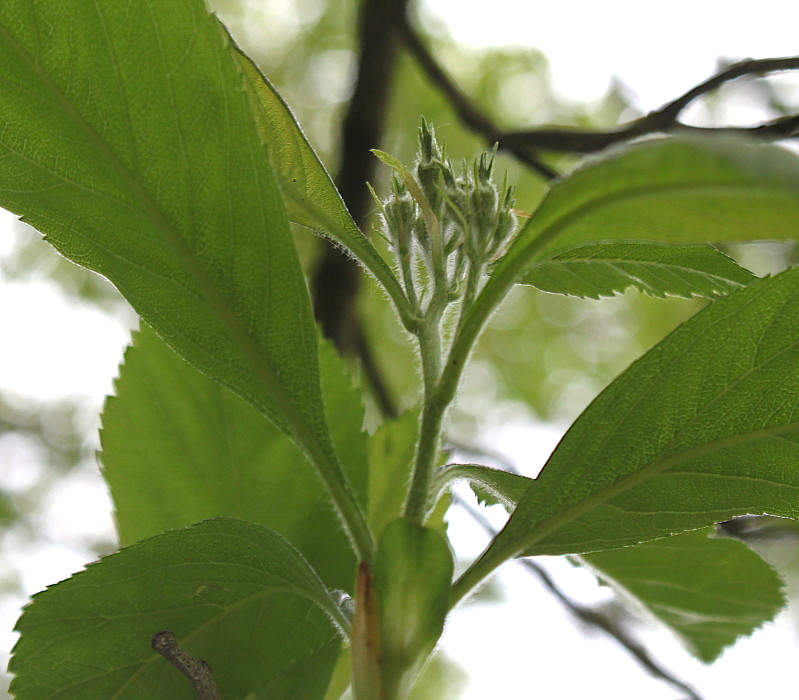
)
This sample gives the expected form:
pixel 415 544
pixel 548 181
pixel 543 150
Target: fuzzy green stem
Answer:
pixel 419 494
pixel 432 414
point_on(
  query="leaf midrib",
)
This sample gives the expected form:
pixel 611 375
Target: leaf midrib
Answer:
pixel 663 464
pixel 551 525
pixel 620 262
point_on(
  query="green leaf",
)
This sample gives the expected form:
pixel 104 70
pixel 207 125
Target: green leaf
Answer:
pixel 491 486
pixel 179 448
pixel 701 428
pixel 773 539
pixel 391 452
pixel 310 196
pixel 659 269
pixel 219 586
pixel 709 591
pixel 139 157
pixel 674 190
pixel 669 190
pixel 412 576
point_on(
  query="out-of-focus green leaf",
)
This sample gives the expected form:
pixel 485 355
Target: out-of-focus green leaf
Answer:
pixel 219 586
pixel 8 513
pixel 179 448
pixel 703 427
pixel 440 679
pixel 391 452
pixel 130 142
pixel 659 269
pixel 709 591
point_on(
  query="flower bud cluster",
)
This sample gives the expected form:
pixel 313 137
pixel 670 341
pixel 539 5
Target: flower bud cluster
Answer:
pixel 471 211
pixel 449 219
pixel 477 214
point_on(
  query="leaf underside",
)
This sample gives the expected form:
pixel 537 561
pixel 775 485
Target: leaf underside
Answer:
pixel 703 427
pixel 310 197
pixel 219 586
pixel 683 189
pixel 129 141
pixel 709 591
pixel 179 448
pixel 658 269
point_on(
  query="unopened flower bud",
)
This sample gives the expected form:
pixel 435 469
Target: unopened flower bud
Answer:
pixel 400 212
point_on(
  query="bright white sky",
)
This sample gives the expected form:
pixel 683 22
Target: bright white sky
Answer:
pixel 658 50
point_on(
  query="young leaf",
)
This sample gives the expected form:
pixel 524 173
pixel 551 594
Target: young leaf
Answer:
pixel 659 269
pixel 179 448
pixel 138 156
pixel 310 196
pixel 701 428
pixel 709 591
pixel 492 486
pixel 412 576
pixel 219 586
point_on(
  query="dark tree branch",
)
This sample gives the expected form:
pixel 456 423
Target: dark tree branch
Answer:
pixel 337 277
pixel 749 67
pixel 666 119
pixel 198 672
pixel 525 145
pixel 588 616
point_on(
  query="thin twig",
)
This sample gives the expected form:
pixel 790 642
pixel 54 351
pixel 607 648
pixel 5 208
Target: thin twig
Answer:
pixel 473 117
pixel 526 144
pixel 584 614
pixel 197 671
pixel 749 67
pixel 588 616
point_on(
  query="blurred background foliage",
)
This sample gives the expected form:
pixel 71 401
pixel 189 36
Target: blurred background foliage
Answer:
pixel 542 360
